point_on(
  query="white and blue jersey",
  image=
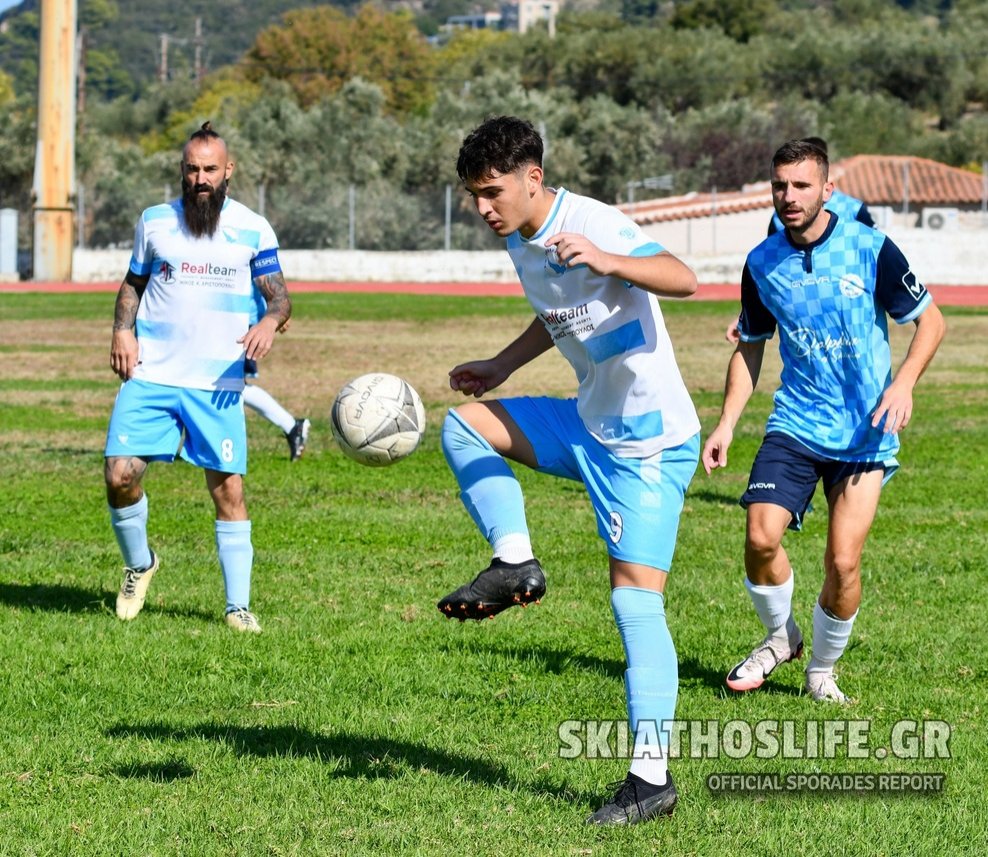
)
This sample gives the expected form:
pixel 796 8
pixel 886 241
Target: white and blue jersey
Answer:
pixel 631 395
pixel 829 300
pixel 845 206
pixel 198 301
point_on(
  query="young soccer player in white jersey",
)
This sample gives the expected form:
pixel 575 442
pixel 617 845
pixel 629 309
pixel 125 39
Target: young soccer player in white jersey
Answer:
pixel 827 284
pixel 181 333
pixel 630 434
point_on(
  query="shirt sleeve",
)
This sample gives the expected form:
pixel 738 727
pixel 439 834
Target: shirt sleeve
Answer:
pixel 140 260
pixel 864 216
pixel 614 232
pixel 897 288
pixel 265 261
pixel 755 323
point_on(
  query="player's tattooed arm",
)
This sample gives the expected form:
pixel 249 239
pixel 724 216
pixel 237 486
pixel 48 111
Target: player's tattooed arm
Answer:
pixel 124 351
pixel 128 300
pixel 258 340
pixel 275 292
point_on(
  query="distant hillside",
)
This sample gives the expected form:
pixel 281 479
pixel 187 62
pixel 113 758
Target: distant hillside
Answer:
pixel 127 36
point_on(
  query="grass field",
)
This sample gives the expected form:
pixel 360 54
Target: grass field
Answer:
pixel 363 722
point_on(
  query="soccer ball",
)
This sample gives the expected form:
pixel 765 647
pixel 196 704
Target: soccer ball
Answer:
pixel 377 419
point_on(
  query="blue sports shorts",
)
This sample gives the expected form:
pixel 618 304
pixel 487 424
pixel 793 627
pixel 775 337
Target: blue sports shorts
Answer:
pixel 150 420
pixel 785 473
pixel 637 501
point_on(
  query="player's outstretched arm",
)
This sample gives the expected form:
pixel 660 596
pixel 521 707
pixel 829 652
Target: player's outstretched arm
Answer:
pixel 258 340
pixel 742 376
pixel 480 376
pixel 896 405
pixel 124 349
pixel 662 274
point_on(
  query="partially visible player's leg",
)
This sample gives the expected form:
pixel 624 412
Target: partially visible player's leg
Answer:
pixel 142 427
pixel 216 441
pixel 234 546
pixel 296 431
pixel 641 501
pixel 782 481
pixel 476 439
pixel 260 400
pixel 853 503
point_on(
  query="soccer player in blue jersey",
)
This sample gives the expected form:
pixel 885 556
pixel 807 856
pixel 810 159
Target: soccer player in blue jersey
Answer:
pixel 181 333
pixel 842 204
pixel 827 284
pixel 630 435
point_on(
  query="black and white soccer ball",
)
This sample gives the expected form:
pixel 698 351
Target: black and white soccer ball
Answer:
pixel 378 419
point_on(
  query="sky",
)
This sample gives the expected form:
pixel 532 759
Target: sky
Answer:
pixel 6 4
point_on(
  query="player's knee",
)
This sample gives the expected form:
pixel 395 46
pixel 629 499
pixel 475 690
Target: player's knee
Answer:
pixel 844 567
pixel 761 542
pixel 458 434
pixel 122 477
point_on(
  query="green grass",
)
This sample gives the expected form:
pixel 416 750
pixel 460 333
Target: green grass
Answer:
pixel 361 721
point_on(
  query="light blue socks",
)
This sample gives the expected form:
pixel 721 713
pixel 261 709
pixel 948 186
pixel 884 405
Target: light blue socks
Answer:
pixel 236 560
pixel 488 489
pixel 130 526
pixel 652 678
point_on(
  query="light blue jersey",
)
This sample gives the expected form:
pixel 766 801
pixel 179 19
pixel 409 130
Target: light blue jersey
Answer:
pixel 198 300
pixel 829 300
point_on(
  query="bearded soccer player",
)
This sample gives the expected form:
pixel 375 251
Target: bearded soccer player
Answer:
pixel 181 333
pixel 630 434
pixel 827 284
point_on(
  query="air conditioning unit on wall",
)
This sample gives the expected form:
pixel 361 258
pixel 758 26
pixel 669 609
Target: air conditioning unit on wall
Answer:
pixel 939 218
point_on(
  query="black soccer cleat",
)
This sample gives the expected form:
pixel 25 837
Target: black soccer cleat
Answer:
pixel 297 438
pixel 637 800
pixel 499 586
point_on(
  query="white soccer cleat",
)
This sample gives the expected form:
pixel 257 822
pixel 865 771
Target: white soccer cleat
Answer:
pixel 134 589
pixel 243 620
pixel 822 686
pixel 751 673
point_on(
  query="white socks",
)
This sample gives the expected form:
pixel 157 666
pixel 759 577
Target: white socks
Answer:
pixel 773 604
pixel 830 636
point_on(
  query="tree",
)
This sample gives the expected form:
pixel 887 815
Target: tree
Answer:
pixel 318 50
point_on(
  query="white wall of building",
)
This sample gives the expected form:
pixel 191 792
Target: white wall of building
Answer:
pixel 716 251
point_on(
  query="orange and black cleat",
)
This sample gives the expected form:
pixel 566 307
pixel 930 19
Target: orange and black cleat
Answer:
pixel 499 586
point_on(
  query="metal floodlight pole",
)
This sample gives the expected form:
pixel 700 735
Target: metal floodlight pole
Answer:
pixel 54 164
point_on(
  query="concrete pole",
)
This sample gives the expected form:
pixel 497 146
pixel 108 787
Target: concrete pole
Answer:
pixel 54 164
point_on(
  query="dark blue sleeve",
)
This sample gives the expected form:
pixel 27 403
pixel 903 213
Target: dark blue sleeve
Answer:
pixel 897 289
pixel 756 322
pixel 864 216
pixel 774 225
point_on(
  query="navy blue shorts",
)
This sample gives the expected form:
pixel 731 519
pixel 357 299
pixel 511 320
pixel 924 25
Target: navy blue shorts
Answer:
pixel 785 473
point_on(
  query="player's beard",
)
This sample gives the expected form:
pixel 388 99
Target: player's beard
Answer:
pixel 202 210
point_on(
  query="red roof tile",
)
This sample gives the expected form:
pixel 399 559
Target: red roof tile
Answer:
pixel 877 179
pixel 884 180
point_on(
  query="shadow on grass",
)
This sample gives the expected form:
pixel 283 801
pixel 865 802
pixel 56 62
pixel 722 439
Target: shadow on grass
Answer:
pixel 60 599
pixel 715 497
pixel 74 599
pixel 162 772
pixel 352 755
pixel 549 660
pixel 558 661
